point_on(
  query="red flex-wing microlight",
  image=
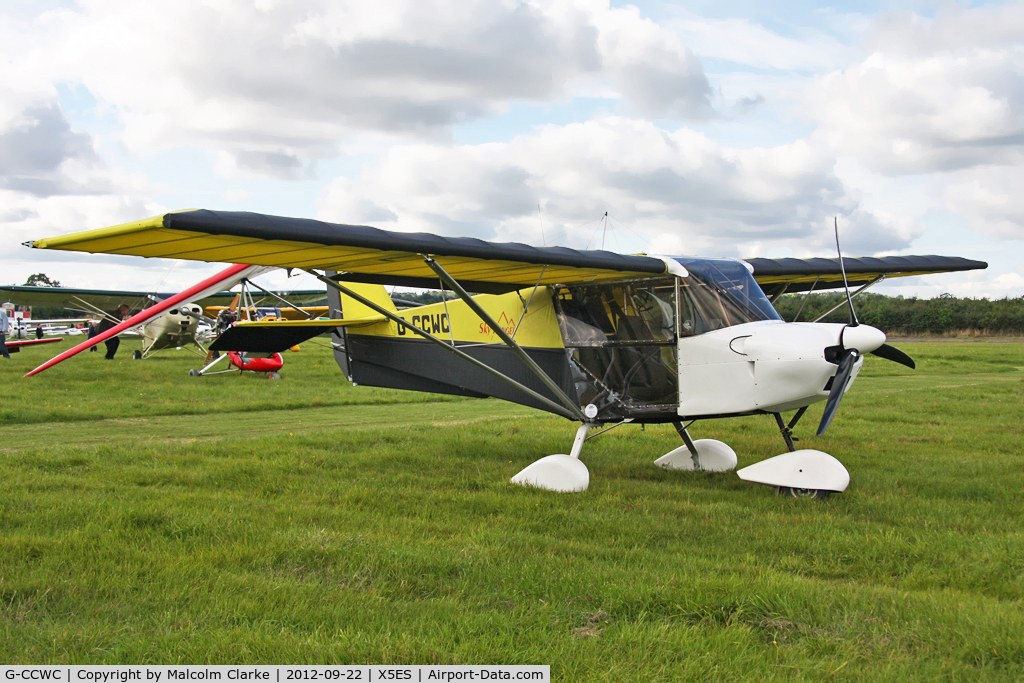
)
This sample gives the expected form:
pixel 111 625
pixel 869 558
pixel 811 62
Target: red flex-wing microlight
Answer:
pixel 599 338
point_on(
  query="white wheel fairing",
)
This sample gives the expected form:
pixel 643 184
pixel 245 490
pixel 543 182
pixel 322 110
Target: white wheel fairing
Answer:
pixel 713 455
pixel 560 472
pixel 803 469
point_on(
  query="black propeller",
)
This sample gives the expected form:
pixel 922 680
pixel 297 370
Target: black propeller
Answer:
pixel 847 360
pixel 889 352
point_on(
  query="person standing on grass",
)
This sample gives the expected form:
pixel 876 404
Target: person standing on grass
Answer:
pixel 110 320
pixel 92 333
pixel 5 326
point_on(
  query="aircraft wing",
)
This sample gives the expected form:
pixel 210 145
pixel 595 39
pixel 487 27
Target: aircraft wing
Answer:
pixel 109 299
pixel 365 254
pixel 800 275
pixel 52 322
pixel 15 346
pixel 359 253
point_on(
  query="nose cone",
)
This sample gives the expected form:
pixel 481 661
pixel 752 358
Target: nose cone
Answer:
pixel 864 338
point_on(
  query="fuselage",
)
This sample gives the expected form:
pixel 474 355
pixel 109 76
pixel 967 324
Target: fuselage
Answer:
pixel 172 329
pixel 656 349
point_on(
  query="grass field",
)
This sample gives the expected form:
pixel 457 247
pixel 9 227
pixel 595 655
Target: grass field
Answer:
pixel 149 517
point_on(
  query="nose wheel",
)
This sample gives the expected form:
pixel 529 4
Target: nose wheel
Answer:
pixel 804 473
pixel 793 492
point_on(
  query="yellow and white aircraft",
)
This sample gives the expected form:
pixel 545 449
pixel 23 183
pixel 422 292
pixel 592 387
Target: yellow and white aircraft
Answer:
pixel 599 338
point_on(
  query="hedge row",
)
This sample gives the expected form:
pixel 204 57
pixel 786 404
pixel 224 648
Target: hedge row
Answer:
pixel 944 315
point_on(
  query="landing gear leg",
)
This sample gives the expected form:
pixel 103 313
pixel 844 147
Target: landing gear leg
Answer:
pixel 199 373
pixel 703 455
pixel 690 446
pixel 787 429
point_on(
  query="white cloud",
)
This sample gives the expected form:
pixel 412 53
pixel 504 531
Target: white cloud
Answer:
pixel 743 42
pixel 934 96
pixel 989 198
pixel 278 84
pixel 953 27
pixel 40 155
pixel 680 189
pixel 236 195
pixel 657 74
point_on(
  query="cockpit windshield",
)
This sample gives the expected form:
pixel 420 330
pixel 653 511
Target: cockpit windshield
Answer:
pixel 719 293
pixel 621 338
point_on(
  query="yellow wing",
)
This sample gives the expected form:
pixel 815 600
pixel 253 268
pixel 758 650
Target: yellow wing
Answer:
pixel 359 253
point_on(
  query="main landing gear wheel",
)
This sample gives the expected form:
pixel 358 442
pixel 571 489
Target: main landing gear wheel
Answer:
pixel 273 375
pixel 137 355
pixel 193 373
pixel 793 492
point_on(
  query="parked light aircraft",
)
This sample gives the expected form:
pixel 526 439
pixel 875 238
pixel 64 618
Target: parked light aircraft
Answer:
pixel 25 328
pixel 181 326
pixel 596 337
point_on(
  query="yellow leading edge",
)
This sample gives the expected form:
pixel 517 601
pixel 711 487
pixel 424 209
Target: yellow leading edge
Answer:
pixel 149 238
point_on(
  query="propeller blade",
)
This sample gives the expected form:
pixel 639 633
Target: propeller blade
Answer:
pixel 889 352
pixel 839 384
pixel 846 285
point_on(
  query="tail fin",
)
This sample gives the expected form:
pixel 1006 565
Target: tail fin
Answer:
pixel 350 308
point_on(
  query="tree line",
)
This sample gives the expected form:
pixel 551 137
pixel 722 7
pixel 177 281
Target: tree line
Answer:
pixel 946 314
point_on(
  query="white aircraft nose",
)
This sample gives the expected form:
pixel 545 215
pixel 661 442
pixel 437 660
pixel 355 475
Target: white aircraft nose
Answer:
pixel 864 338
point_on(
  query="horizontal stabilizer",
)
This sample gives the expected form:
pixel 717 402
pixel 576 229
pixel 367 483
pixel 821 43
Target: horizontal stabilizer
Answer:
pixel 279 335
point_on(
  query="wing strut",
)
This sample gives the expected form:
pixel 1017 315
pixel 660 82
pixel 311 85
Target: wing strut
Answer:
pixel 850 297
pixel 308 315
pixel 806 297
pixel 509 342
pixel 96 310
pixel 526 306
pixel 556 408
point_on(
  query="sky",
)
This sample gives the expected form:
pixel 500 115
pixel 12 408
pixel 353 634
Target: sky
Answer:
pixel 730 128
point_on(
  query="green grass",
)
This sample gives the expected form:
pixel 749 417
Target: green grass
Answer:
pixel 149 517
